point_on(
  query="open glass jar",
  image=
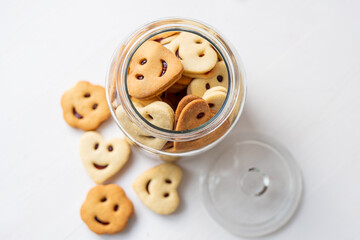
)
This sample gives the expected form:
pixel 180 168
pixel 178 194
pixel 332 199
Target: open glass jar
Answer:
pixel 118 94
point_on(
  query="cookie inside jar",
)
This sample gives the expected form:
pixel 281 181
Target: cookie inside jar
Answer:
pixel 177 81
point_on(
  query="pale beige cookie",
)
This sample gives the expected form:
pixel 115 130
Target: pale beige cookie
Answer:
pixel 106 209
pixel 102 159
pixel 166 37
pixel 153 69
pixel 199 86
pixel 195 53
pixel 157 113
pixel 157 188
pixel 84 106
pixel 215 97
pixel 206 75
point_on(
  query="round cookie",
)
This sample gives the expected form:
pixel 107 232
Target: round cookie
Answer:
pixel 195 53
pixel 84 106
pixel 199 86
pixel 106 209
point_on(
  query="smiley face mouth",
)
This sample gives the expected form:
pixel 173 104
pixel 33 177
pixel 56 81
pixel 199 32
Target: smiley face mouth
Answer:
pixel 100 221
pixel 76 114
pixel 100 167
pixel 164 68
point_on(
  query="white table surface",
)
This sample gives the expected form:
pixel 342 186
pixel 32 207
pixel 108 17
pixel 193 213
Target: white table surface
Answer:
pixel 303 68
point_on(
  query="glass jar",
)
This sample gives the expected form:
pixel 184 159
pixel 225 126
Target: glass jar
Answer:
pixel 117 94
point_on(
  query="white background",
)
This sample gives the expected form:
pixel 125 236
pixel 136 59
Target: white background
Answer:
pixel 303 69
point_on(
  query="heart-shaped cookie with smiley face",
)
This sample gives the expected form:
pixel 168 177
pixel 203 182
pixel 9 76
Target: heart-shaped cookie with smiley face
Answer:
pixel 200 86
pixel 195 53
pixel 193 112
pixel 102 159
pixel 157 188
pixel 106 209
pixel 157 113
pixel 152 70
pixel 84 106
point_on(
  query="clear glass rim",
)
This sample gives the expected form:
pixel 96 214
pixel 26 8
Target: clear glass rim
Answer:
pixel 235 70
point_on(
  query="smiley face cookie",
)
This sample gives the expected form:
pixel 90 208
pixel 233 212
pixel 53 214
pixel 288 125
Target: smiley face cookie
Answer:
pixel 84 106
pixel 195 53
pixel 157 113
pixel 102 159
pixel 106 209
pixel 199 86
pixel 215 97
pixel 157 188
pixel 152 70
pixel 193 112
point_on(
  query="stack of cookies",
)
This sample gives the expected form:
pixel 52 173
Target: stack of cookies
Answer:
pixel 176 81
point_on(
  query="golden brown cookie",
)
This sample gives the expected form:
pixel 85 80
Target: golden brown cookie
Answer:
pixel 165 37
pixel 195 53
pixel 153 69
pixel 106 209
pixel 156 188
pixel 194 114
pixel 183 102
pixel 146 102
pixel 84 106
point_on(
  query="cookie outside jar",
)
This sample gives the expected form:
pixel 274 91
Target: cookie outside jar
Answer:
pixel 150 137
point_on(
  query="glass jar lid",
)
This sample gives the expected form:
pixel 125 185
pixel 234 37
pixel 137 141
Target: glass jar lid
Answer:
pixel 253 186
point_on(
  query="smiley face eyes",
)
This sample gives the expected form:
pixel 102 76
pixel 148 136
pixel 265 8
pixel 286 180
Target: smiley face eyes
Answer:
pixel 110 148
pixel 142 62
pixel 87 95
pixel 116 207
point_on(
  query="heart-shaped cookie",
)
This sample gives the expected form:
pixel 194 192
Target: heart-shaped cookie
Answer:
pixel 157 113
pixel 157 188
pixel 152 70
pixel 195 53
pixel 102 159
pixel 215 97
pixel 194 112
pixel 199 86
